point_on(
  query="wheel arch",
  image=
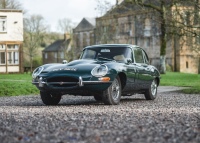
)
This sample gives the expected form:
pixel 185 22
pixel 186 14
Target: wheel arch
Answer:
pixel 158 80
pixel 123 79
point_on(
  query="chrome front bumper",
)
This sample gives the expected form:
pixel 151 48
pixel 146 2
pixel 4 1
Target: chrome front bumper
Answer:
pixel 80 83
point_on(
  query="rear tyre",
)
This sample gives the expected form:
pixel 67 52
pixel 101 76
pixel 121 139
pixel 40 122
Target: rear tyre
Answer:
pixel 112 95
pixel 49 99
pixel 151 92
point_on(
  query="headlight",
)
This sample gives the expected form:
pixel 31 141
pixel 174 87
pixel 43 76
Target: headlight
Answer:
pixel 37 71
pixel 99 71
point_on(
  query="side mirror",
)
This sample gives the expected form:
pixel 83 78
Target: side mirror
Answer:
pixel 129 61
pixel 64 62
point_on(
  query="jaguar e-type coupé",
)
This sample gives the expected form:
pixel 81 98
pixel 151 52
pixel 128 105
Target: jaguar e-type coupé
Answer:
pixel 105 72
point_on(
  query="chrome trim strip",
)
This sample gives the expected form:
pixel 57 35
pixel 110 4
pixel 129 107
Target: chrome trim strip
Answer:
pixel 80 83
pixel 84 82
pixel 61 83
pixel 88 82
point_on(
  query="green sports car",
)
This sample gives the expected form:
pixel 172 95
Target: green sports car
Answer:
pixel 106 72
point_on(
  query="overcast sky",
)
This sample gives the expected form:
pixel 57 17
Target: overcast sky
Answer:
pixel 53 10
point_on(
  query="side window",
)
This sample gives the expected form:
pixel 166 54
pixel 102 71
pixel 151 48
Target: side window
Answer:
pixel 89 54
pixel 138 56
pixel 146 59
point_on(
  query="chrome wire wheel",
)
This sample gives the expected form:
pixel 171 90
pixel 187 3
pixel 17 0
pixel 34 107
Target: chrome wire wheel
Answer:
pixel 153 88
pixel 112 95
pixel 115 90
pixel 151 92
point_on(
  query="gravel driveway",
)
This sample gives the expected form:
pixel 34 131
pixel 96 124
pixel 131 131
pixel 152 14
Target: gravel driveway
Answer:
pixel 172 117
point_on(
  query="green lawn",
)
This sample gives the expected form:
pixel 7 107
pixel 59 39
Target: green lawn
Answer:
pixel 20 84
pixel 182 79
pixel 16 84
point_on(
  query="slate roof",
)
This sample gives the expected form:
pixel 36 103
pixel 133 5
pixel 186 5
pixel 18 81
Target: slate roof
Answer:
pixel 86 24
pixel 91 21
pixel 56 46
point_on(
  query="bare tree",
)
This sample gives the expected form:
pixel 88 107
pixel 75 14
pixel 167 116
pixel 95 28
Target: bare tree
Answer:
pixel 65 25
pixel 103 6
pixel 34 30
pixel 10 4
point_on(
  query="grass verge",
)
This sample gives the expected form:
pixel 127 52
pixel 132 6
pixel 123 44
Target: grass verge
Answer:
pixel 182 79
pixel 16 84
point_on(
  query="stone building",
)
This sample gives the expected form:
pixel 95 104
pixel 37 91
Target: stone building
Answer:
pixel 11 39
pixel 187 47
pixel 128 24
pixel 56 52
pixel 83 35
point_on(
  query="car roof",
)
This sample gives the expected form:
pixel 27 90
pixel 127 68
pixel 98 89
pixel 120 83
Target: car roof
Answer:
pixel 113 45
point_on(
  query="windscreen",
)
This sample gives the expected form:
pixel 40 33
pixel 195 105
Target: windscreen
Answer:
pixel 119 54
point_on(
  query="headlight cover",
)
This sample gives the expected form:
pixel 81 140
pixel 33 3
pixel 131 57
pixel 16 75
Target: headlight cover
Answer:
pixel 37 71
pixel 99 71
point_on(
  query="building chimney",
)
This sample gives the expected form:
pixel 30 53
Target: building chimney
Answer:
pixel 67 36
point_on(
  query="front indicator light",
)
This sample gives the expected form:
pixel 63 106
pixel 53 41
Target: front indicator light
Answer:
pixel 104 79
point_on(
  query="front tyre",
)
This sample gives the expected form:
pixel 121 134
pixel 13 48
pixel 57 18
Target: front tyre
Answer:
pixel 112 95
pixel 151 92
pixel 50 99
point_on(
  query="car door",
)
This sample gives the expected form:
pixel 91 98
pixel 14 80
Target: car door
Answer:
pixel 143 74
pixel 130 72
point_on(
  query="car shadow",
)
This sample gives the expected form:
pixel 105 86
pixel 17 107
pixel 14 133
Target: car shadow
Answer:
pixel 132 99
pixel 77 101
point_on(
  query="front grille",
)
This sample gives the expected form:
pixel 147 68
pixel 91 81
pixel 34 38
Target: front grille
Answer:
pixel 62 79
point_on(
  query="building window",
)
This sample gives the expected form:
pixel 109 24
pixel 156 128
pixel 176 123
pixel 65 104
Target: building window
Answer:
pixel 2 58
pixel 2 47
pixel 197 39
pixel 55 55
pixel 105 29
pixel 62 55
pixel 136 40
pixel 147 24
pixel 15 58
pixel 13 54
pixel 3 24
pixel 46 56
pixel 147 28
pixel 16 47
pixel 11 47
pixel 148 42
pixel 187 18
pixel 187 65
pixel 122 29
pixel 10 58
